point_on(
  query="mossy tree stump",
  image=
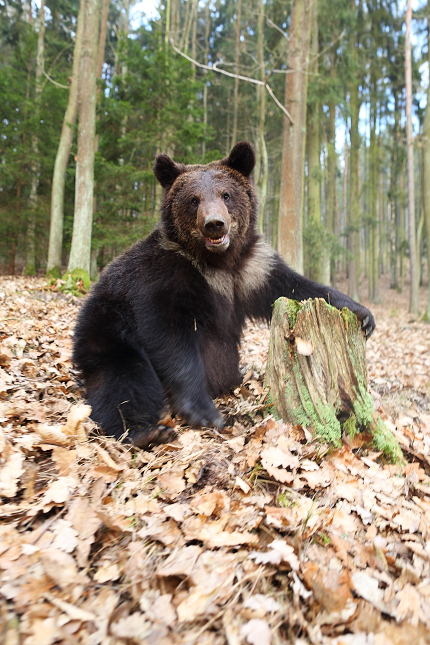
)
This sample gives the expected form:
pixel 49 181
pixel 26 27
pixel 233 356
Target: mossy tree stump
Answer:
pixel 317 373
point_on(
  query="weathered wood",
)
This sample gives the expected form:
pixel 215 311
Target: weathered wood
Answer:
pixel 317 373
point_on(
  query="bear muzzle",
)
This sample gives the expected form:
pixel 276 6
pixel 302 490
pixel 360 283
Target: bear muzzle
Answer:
pixel 215 229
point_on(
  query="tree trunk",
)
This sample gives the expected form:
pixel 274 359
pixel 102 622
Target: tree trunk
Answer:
pixel 413 300
pixel 62 158
pixel 315 232
pixel 317 373
pixel 236 80
pixel 30 266
pixel 205 86
pixel 331 185
pixel 426 172
pixel 354 193
pixel 80 251
pixel 262 162
pixel 290 239
pixel 374 293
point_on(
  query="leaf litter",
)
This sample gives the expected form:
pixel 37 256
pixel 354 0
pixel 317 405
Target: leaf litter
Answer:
pixel 255 535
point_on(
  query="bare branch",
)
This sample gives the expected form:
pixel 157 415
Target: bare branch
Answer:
pixel 64 87
pixel 215 68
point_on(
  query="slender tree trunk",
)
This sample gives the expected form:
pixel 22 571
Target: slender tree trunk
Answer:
pixel 290 227
pixel 413 300
pixel 30 267
pixel 262 162
pixel 236 80
pixel 80 251
pixel 99 69
pixel 426 171
pixel 62 158
pixel 315 231
pixel 354 193
pixel 205 86
pixel 331 185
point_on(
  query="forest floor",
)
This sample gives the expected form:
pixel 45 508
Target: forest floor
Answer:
pixel 255 535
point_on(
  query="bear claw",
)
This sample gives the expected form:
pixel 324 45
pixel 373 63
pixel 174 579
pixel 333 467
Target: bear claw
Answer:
pixel 151 436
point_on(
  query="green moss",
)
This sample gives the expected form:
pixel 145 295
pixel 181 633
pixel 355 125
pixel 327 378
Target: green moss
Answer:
pixel 77 282
pixel 385 442
pixel 289 307
pixel 55 273
pixel 320 417
pixel 271 407
pixel 30 269
pixel 349 427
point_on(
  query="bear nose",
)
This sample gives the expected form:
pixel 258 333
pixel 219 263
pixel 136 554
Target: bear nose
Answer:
pixel 214 224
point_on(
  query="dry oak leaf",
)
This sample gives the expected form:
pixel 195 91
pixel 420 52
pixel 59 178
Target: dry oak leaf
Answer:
pixel 164 530
pixel 279 552
pixel 407 520
pixel 291 518
pixel 65 536
pixel 262 604
pixel 59 566
pixel 207 503
pixel 256 632
pixel 180 562
pixel 172 483
pixel 75 419
pixel 58 492
pixel 134 626
pixel 367 587
pixel 10 472
pixel 332 589
pixel 409 606
pixel 106 572
pixel 43 632
pixel 213 577
pixel 213 534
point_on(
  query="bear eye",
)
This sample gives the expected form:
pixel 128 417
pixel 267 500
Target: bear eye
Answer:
pixel 226 197
pixel 194 201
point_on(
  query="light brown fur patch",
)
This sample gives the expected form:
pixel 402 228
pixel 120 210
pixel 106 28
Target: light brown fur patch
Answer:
pixel 256 269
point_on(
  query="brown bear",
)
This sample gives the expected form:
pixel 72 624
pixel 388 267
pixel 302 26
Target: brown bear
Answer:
pixel 163 323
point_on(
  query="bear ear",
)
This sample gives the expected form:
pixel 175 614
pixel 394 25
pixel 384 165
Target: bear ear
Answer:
pixel 241 158
pixel 166 170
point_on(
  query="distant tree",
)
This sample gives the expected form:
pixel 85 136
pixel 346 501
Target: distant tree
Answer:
pixel 413 300
pixel 62 158
pixel 80 251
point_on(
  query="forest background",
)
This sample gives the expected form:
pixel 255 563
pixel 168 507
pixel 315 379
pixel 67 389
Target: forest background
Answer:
pixel 93 90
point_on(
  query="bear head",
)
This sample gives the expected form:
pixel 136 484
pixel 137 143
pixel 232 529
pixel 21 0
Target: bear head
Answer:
pixel 210 210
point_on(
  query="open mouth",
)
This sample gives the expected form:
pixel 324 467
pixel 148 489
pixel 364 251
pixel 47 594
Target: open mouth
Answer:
pixel 217 242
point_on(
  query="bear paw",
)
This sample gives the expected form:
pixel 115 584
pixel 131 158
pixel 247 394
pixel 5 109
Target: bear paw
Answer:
pixel 151 436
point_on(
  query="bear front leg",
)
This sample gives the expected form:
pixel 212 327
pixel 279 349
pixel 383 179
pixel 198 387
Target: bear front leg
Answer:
pixel 178 363
pixel 283 281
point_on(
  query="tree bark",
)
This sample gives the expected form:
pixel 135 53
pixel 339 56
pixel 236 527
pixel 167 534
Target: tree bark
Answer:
pixel 354 193
pixel 80 251
pixel 30 266
pixel 236 80
pixel 413 300
pixel 317 373
pixel 315 232
pixel 426 172
pixel 62 159
pixel 262 162
pixel 290 227
pixel 331 183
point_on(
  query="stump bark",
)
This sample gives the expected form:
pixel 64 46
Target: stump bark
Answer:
pixel 317 373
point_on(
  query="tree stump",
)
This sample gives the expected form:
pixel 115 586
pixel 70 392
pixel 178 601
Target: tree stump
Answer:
pixel 317 373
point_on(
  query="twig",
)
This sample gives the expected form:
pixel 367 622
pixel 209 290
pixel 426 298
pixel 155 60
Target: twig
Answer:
pixel 64 87
pixel 215 68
